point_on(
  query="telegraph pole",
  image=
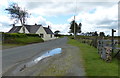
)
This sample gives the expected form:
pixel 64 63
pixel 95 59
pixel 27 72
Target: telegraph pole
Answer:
pixel 74 27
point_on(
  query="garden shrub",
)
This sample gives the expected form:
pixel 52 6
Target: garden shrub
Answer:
pixel 33 35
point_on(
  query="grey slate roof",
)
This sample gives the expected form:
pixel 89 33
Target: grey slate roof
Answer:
pixel 15 29
pixel 30 28
pixel 48 31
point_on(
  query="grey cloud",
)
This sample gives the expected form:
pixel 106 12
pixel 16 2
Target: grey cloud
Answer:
pixel 109 25
pixel 104 22
pixel 34 5
pixel 5 24
pixel 52 8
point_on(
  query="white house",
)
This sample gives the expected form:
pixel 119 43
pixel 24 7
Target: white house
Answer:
pixel 44 32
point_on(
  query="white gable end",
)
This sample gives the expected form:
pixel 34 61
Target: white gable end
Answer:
pixel 21 30
pixel 41 31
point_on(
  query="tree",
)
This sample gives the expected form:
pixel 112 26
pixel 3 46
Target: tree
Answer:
pixel 77 27
pixel 17 13
pixel 57 33
pixel 95 34
pixel 102 34
pixel 108 35
pixel 80 25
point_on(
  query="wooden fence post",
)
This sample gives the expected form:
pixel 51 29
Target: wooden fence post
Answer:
pixel 113 41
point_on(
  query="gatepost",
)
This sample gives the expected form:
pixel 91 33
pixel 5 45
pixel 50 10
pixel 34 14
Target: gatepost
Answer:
pixel 113 46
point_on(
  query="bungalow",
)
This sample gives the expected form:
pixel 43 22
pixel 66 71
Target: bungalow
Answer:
pixel 44 32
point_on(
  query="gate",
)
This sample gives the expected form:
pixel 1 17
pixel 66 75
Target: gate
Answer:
pixel 107 48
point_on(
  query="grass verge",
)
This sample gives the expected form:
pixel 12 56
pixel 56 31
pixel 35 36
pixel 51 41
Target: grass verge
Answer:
pixel 94 66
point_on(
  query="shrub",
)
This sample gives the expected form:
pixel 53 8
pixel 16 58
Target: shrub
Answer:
pixel 28 40
pixel 19 35
pixel 21 38
pixel 33 35
pixel 14 35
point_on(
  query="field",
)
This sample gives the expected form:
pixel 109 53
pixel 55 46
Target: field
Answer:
pixel 94 65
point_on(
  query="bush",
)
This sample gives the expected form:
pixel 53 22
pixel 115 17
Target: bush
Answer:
pixel 32 35
pixel 28 40
pixel 21 38
pixel 14 35
pixel 19 35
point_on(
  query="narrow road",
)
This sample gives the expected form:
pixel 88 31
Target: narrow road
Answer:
pixel 13 56
pixel 68 63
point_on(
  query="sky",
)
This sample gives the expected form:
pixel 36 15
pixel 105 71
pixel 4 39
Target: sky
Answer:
pixel 100 15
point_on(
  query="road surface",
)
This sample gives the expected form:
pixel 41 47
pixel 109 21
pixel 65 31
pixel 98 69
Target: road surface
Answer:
pixel 12 56
pixel 67 63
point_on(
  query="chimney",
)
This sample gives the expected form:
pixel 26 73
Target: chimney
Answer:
pixel 48 26
pixel 35 24
pixel 13 25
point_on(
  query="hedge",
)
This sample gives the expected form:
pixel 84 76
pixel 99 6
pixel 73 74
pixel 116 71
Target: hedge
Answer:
pixel 33 35
pixel 14 35
pixel 18 35
pixel 21 38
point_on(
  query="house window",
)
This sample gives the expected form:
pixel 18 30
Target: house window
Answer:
pixel 51 35
pixel 41 35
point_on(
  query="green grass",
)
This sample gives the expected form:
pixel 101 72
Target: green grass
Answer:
pixel 94 66
pixel 118 45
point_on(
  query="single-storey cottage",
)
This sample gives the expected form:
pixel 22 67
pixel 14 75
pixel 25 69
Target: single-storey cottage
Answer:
pixel 44 32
